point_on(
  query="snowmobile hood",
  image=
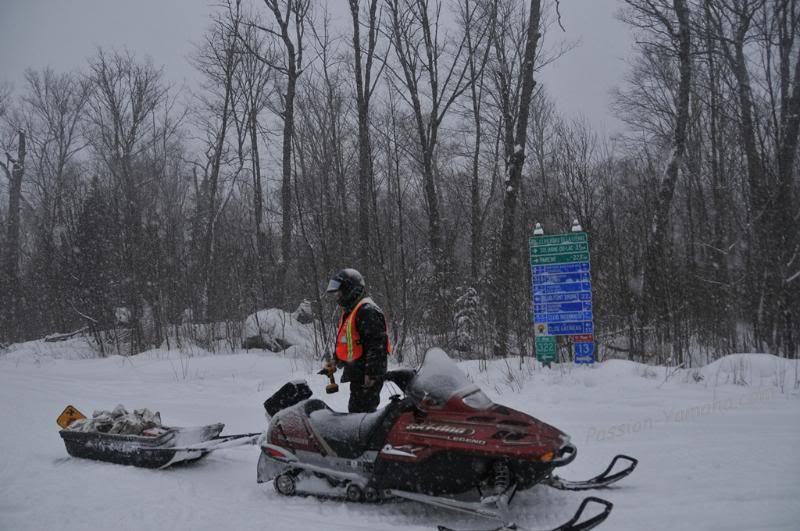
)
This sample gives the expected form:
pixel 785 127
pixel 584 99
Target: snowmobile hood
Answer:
pixel 515 428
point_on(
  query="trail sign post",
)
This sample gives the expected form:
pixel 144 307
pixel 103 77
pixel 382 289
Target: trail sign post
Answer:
pixel 562 294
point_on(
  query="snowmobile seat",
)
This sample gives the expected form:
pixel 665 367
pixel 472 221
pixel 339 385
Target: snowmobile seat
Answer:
pixel 288 395
pixel 348 434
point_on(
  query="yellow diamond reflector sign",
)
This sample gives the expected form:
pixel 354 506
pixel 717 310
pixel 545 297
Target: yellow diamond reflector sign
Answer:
pixel 68 416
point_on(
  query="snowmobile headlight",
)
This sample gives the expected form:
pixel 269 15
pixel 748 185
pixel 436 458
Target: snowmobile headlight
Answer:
pixel 547 457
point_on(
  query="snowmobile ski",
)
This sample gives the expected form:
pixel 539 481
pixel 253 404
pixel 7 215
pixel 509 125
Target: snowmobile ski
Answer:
pixel 573 524
pixel 473 508
pixel 601 480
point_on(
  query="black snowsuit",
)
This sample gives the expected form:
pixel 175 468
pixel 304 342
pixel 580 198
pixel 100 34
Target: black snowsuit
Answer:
pixel 371 326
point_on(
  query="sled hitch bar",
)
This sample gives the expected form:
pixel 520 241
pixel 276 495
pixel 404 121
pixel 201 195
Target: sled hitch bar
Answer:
pixel 218 443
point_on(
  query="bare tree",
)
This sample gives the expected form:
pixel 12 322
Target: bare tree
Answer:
pixel 432 72
pixel 577 155
pixel 324 158
pixel 738 27
pixel 786 17
pixel 10 269
pixel 514 142
pixel 673 20
pixel 324 135
pixel 54 106
pixel 365 86
pixel 120 111
pixel 290 17
pixel 5 96
pixel 254 78
pixel 51 111
pixel 478 20
pixel 218 60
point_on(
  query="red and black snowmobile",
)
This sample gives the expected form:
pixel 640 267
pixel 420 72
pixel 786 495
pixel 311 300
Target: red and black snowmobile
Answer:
pixel 444 443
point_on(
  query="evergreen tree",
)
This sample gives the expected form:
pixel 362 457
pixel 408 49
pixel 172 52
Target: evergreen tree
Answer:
pixel 469 317
pixel 94 259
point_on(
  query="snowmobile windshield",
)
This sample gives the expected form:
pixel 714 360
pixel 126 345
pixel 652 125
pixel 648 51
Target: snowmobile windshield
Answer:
pixel 439 379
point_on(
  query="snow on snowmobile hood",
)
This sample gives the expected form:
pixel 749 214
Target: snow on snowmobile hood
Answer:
pixel 439 379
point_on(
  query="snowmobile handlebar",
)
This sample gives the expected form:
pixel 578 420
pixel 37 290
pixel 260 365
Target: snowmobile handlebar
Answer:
pixel 400 377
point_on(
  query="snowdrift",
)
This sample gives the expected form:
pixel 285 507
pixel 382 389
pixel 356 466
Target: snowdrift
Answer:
pixel 41 351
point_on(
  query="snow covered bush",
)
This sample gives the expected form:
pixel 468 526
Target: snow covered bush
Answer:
pixel 647 372
pixel 469 316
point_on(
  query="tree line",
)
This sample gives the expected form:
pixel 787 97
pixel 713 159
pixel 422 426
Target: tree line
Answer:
pixel 420 145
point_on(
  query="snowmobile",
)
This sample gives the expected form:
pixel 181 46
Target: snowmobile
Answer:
pixel 443 443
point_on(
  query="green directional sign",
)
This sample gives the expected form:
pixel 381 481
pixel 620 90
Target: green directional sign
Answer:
pixel 559 258
pixel 546 348
pixel 574 237
pixel 561 248
pixel 562 293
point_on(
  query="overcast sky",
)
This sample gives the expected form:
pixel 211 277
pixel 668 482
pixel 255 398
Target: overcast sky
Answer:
pixel 63 33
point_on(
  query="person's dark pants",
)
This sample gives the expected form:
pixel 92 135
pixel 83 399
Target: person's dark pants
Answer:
pixel 364 399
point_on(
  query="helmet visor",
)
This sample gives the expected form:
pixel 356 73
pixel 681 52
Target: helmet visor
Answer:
pixel 333 285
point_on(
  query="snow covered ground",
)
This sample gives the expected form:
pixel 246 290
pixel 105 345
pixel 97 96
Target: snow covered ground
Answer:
pixel 721 453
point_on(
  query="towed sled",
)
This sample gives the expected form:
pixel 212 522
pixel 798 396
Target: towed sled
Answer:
pixel 173 445
pixel 444 443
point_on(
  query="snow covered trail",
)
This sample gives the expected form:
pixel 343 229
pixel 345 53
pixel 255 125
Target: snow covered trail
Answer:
pixel 713 455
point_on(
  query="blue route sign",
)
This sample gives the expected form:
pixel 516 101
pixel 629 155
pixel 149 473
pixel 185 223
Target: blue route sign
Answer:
pixel 584 352
pixel 562 291
pixel 560 307
pixel 561 297
pixel 561 268
pixel 559 278
pixel 561 317
pixel 570 329
pixel 562 288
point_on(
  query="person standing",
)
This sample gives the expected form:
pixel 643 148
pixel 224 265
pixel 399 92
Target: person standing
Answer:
pixel 362 341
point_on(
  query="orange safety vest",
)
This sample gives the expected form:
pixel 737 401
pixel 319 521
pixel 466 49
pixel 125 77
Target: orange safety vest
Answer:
pixel 348 340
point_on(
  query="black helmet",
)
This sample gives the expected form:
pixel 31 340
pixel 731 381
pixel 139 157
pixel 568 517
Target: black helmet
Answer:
pixel 349 283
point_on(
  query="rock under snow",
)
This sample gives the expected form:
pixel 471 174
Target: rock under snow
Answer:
pixel 277 330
